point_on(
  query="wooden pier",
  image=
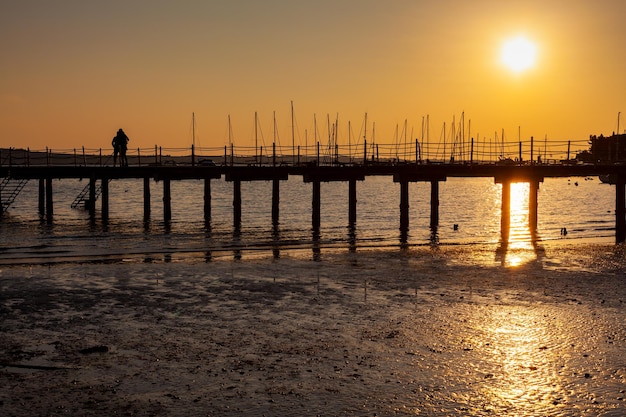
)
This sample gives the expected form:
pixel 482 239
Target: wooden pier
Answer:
pixel 403 174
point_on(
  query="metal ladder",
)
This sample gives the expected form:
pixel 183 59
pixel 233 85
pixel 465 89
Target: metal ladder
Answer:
pixel 10 189
pixel 83 197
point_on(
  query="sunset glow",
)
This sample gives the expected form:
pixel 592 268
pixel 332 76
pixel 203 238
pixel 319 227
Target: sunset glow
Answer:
pixel 76 72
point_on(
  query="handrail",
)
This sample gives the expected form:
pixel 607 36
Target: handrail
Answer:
pixel 474 152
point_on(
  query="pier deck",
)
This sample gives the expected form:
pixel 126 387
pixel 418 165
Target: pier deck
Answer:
pixel 402 173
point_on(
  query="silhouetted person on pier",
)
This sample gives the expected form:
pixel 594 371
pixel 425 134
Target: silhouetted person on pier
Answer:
pixel 120 145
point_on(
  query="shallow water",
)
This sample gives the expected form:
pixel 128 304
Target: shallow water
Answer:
pixel 583 206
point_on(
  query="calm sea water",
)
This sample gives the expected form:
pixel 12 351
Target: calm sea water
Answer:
pixel 583 206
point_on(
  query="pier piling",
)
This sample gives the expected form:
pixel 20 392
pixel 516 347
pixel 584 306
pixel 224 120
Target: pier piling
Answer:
pixel 146 199
pixel 434 204
pixel 352 202
pixel 237 203
pixel 316 205
pixel 505 216
pixel 533 189
pixel 167 201
pixel 42 197
pixel 49 200
pixel 620 209
pixel 105 199
pixel 404 205
pixel 275 200
pixel 207 200
pixel 91 203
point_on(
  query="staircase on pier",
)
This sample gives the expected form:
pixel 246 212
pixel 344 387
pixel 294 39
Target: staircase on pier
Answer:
pixel 9 190
pixel 82 199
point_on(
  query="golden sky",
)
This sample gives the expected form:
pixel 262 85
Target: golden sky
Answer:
pixel 74 71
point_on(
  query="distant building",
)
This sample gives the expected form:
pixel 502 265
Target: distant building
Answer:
pixel 606 149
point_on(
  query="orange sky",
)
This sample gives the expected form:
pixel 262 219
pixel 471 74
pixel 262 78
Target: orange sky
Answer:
pixel 73 72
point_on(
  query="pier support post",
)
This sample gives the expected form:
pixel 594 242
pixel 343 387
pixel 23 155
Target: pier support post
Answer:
pixel 434 204
pixel 146 199
pixel 207 200
pixel 316 205
pixel 105 199
pixel 91 204
pixel 505 216
pixel 404 205
pixel 620 209
pixel 352 202
pixel 532 205
pixel 237 203
pixel 42 197
pixel 49 200
pixel 167 201
pixel 275 200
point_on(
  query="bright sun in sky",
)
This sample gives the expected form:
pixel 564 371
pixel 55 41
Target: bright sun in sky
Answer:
pixel 518 54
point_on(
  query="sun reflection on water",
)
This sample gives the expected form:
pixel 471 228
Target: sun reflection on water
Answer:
pixel 519 242
pixel 526 376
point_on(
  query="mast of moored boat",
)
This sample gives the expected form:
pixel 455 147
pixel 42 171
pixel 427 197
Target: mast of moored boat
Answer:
pixel 193 129
pixel 256 137
pixel 293 136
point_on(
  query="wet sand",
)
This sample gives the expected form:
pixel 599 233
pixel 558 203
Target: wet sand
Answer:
pixel 434 332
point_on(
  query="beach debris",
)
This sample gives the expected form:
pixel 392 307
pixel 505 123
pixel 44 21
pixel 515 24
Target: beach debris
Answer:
pixel 34 367
pixel 392 334
pixel 94 349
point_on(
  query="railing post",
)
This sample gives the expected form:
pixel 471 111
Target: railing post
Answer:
pixel 75 160
pixel 27 156
pixel 232 154
pixel 274 153
pixel 520 151
pixel 472 152
pixel 193 156
pixel 156 157
pixel 139 156
pixel 100 156
pixel 84 157
pixel 318 154
pixel 568 147
pixel 532 145
pixel 364 151
pixel 225 156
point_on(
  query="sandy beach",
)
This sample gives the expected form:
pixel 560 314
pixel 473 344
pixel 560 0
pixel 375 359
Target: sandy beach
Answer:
pixel 424 331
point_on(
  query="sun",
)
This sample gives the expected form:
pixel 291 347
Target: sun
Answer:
pixel 518 54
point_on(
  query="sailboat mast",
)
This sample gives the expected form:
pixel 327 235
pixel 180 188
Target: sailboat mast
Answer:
pixel 230 132
pixel 293 135
pixel 256 136
pixel 193 129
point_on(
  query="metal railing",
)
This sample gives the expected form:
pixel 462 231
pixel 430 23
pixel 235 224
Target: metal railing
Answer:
pixel 417 152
